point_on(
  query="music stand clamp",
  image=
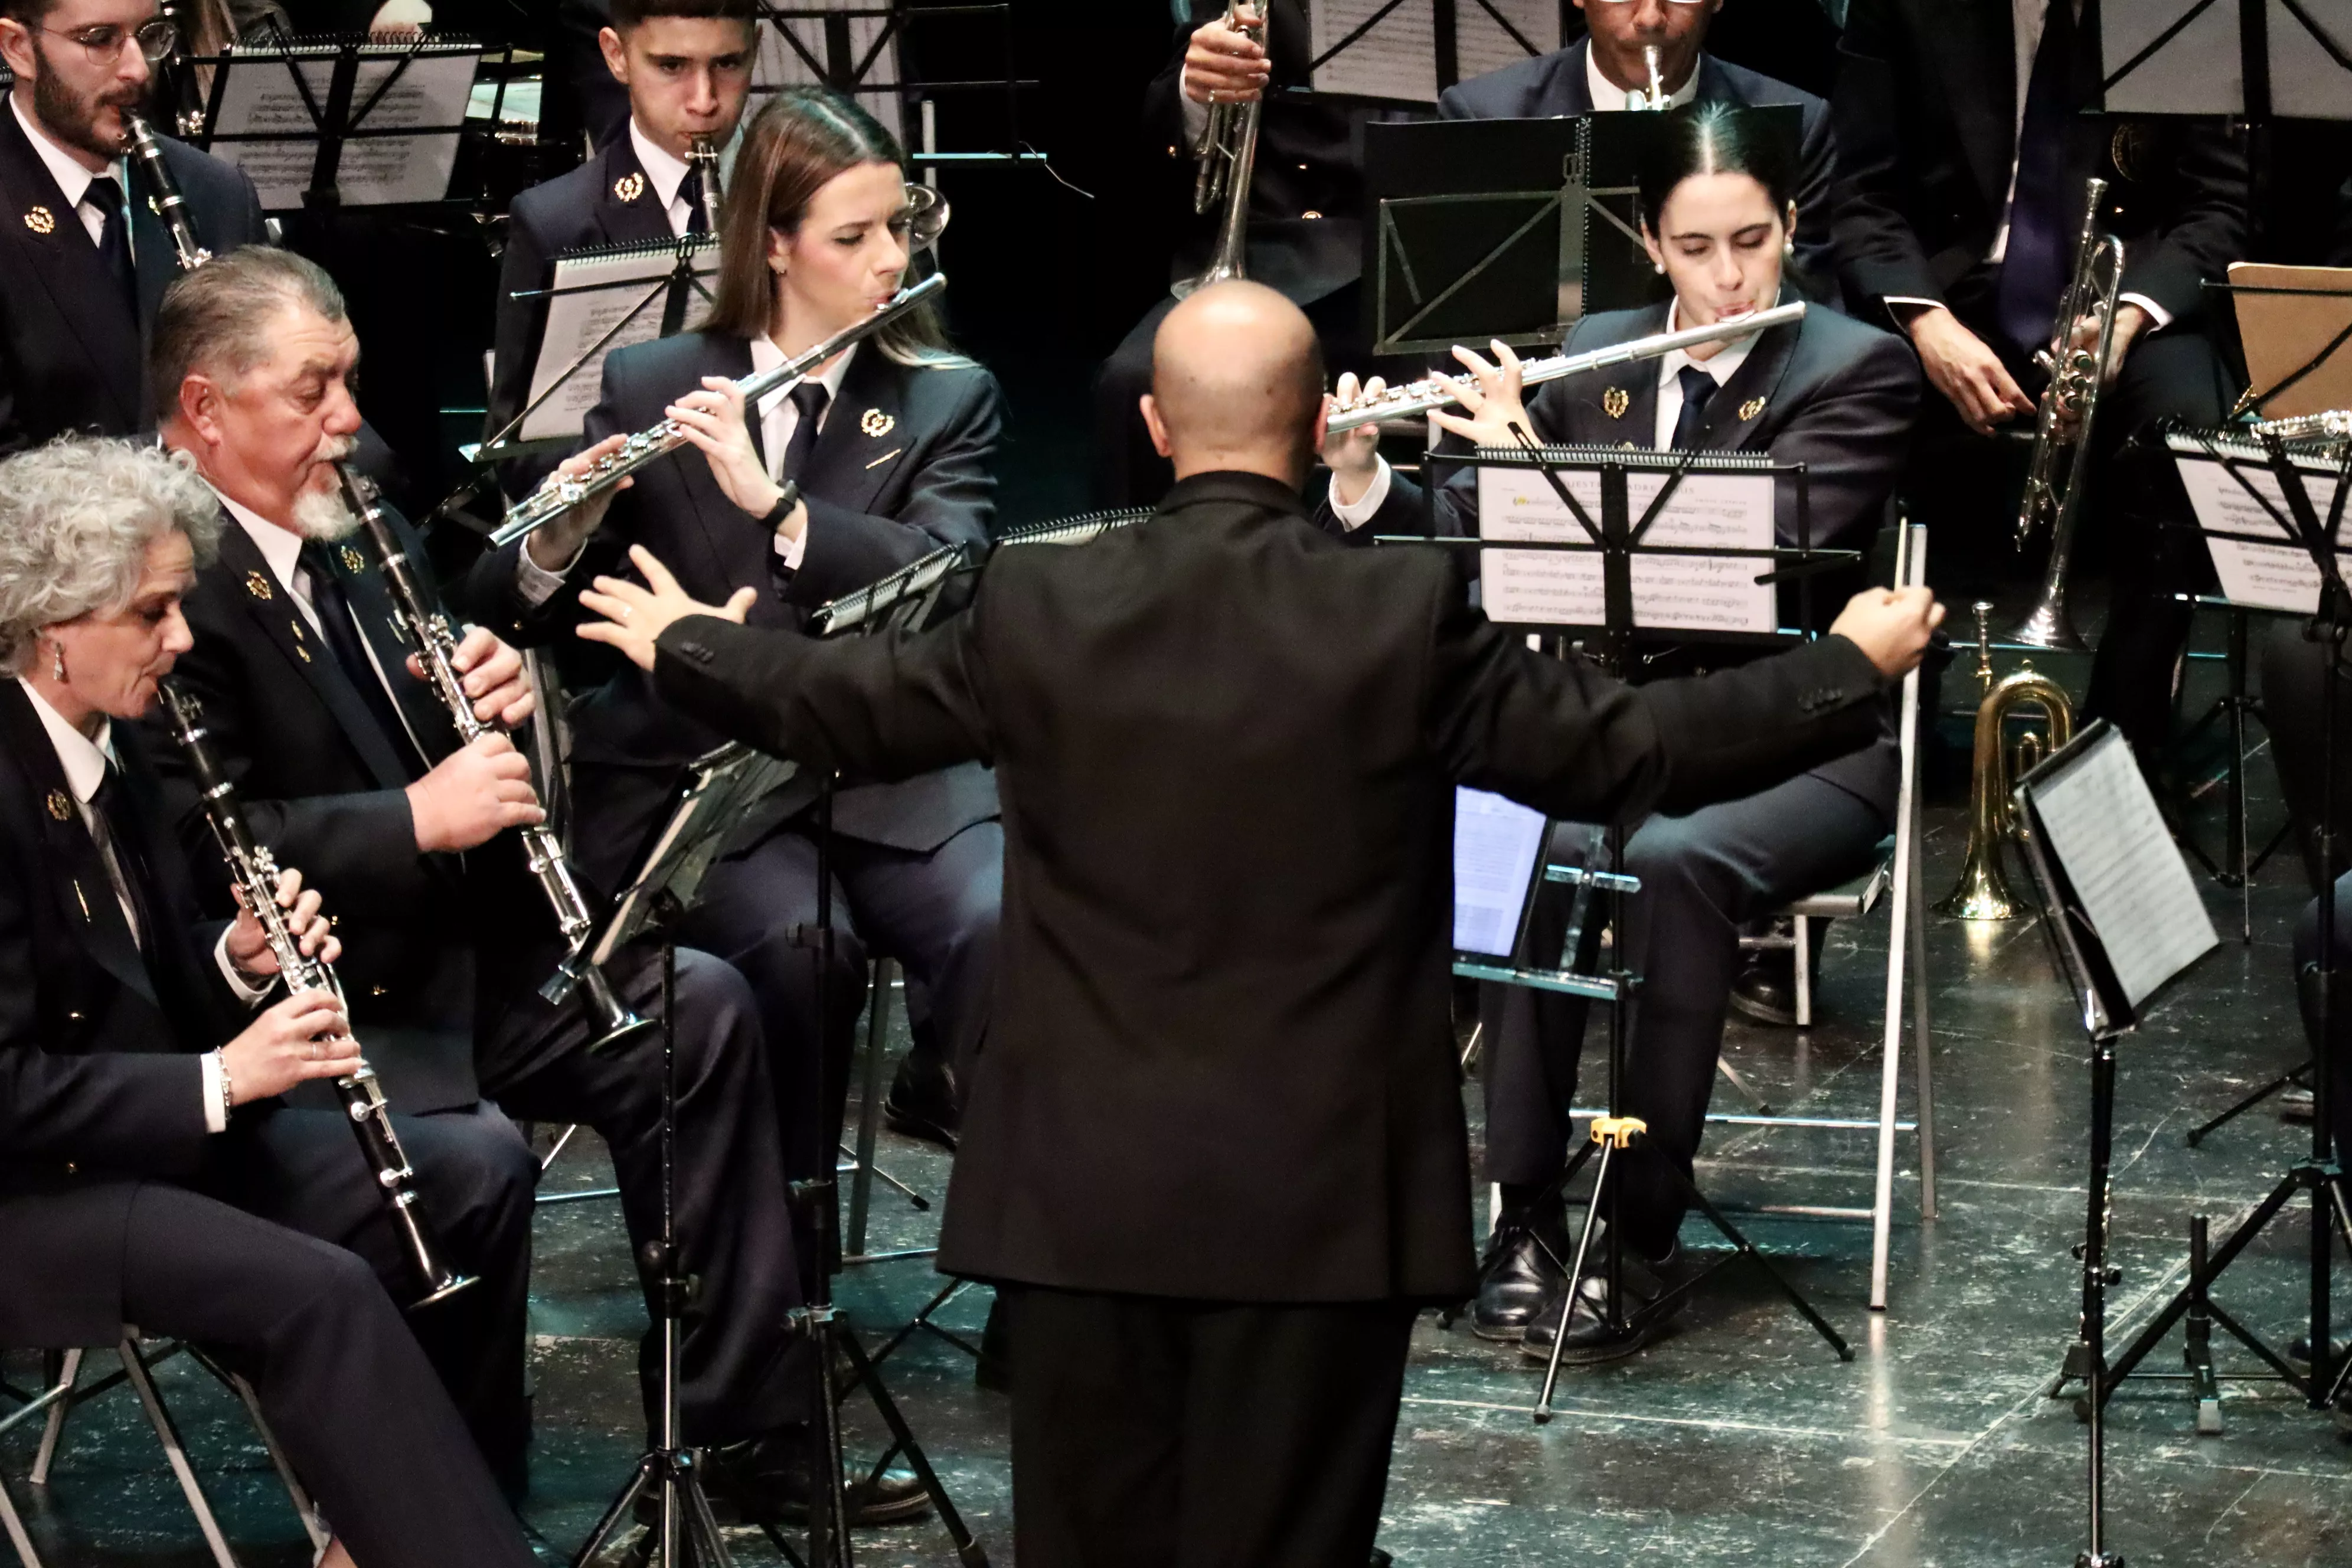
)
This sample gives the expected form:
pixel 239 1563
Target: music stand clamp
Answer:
pixel 1617 537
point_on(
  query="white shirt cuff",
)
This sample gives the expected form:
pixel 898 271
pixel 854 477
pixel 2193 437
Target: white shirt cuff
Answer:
pixel 247 992
pixel 215 1113
pixel 1353 515
pixel 790 552
pixel 1196 113
pixel 534 583
pixel 2158 316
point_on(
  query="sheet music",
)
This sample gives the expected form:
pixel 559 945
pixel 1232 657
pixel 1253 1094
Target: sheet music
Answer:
pixel 1696 592
pixel 1397 57
pixel 2101 824
pixel 1495 843
pixel 2305 82
pixel 630 289
pixel 781 65
pixel 261 101
pixel 2265 576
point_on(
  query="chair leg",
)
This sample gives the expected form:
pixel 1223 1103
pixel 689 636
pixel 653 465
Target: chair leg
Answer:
pixel 68 1373
pixel 1921 1036
pixel 869 1113
pixel 1804 957
pixel 304 1508
pixel 176 1452
pixel 15 1527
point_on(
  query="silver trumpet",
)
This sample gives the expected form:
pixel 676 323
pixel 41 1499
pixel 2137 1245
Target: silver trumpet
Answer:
pixel 168 203
pixel 255 871
pixel 2062 436
pixel 1227 152
pixel 702 154
pixel 436 643
pixel 559 495
pixel 1419 397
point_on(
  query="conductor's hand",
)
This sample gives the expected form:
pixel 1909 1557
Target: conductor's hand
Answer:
pixel 554 546
pixel 1891 626
pixel 248 949
pixel 636 617
pixel 492 675
pixel 1493 403
pixel 1221 65
pixel 1354 456
pixel 474 794
pixel 302 1037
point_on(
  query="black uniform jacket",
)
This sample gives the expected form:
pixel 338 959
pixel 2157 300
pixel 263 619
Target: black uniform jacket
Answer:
pixel 901 467
pixel 608 200
pixel 1926 130
pixel 72 358
pixel 1829 393
pixel 1219 1064
pixel 1555 84
pixel 99 1085
pixel 324 788
pixel 1306 200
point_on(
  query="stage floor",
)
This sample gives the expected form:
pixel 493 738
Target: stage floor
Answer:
pixel 1737 1438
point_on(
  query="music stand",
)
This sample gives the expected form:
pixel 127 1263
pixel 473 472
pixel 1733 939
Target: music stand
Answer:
pixel 1409 51
pixel 856 47
pixel 2124 920
pixel 1601 575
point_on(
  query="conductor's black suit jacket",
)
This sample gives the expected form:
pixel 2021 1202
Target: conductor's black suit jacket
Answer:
pixel 1220 1064
pixel 72 356
pixel 1925 111
pixel 902 466
pixel 99 1085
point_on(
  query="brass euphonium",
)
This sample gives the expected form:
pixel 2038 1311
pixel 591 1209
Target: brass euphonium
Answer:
pixel 2062 434
pixel 1228 155
pixel 1983 892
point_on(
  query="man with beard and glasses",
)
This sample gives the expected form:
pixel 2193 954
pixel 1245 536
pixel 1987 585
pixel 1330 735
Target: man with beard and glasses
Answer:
pixel 84 257
pixel 351 770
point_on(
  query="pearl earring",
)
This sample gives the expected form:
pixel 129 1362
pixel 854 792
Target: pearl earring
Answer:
pixel 57 661
pixel 1658 266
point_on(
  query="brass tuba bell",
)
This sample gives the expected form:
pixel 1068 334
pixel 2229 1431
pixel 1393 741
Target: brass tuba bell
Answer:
pixel 1983 892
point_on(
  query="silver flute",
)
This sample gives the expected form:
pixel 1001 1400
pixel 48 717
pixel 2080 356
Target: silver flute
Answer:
pixel 1420 396
pixel 559 495
pixel 255 871
pixel 168 203
pixel 436 643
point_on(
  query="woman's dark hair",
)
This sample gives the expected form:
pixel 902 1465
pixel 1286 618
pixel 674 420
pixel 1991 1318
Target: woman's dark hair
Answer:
pixel 1714 138
pixel 800 139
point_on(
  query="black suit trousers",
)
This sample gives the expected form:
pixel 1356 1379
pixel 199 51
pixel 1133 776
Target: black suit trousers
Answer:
pixel 338 1375
pixel 1704 877
pixel 2294 703
pixel 1154 1433
pixel 936 914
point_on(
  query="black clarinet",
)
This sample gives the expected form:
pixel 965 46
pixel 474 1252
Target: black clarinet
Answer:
pixel 435 645
pixel 170 205
pixel 255 871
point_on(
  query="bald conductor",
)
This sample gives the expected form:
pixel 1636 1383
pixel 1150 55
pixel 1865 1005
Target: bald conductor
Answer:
pixel 1214 1157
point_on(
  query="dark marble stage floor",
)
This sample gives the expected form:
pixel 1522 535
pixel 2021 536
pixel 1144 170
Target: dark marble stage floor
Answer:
pixel 1738 1440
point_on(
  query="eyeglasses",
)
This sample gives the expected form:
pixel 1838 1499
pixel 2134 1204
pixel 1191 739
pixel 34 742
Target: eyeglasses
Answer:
pixel 103 43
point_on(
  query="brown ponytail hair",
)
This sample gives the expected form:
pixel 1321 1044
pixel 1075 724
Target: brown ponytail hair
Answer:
pixel 800 139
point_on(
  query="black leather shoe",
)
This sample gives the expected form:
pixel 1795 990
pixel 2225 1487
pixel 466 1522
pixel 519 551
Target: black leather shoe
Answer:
pixel 1591 1338
pixel 922 1102
pixel 2295 1104
pixel 2298 1353
pixel 1519 1289
pixel 1766 989
pixel 768 1480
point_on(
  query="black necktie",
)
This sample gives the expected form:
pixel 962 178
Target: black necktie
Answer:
pixel 2034 267
pixel 114 237
pixel 698 211
pixel 1698 388
pixel 810 397
pixel 342 633
pixel 681 288
pixel 119 847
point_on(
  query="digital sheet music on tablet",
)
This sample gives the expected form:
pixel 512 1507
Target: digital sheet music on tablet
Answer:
pixel 1496 844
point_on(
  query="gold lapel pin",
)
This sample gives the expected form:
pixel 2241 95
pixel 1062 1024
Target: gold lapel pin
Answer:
pixel 629 188
pixel 1615 401
pixel 876 423
pixel 40 220
pixel 353 561
pixel 257 585
pixel 1751 408
pixel 82 901
pixel 59 806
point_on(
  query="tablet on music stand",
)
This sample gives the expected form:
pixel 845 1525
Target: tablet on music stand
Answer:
pixel 1499 859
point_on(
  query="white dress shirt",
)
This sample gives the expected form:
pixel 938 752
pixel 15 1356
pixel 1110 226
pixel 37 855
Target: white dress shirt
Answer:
pixel 85 762
pixel 72 178
pixel 666 173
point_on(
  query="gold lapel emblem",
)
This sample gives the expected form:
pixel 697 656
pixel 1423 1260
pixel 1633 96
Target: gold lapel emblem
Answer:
pixel 1615 401
pixel 301 648
pixel 59 806
pixel 629 188
pixel 40 220
pixel 257 585
pixel 876 423
pixel 353 561
pixel 1751 408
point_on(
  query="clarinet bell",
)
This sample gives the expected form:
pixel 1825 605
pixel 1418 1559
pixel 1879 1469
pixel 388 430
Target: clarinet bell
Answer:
pixel 616 1022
